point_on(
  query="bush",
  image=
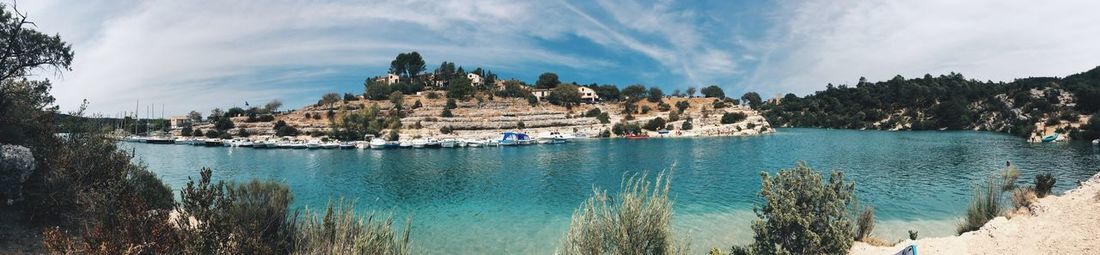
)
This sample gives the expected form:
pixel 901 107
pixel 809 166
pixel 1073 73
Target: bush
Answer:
pixel 785 227
pixel 451 104
pixel 683 105
pixel 732 117
pixel 638 221
pixel 592 113
pixel 865 224
pixel 341 231
pixel 645 109
pixel 432 95
pixel 664 107
pixel 446 113
pixel 654 124
pixel 687 124
pixel 603 118
pixel 521 125
pixel 912 235
pixel 984 206
pixel 445 130
pixel 1044 183
pixel 1023 197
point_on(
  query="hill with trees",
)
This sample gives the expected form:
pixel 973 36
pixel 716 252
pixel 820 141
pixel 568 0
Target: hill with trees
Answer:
pixel 1027 107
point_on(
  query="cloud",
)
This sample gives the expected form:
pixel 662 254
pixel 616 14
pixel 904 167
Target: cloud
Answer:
pixel 817 42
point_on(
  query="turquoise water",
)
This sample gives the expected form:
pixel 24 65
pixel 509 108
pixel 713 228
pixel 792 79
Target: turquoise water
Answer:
pixel 519 199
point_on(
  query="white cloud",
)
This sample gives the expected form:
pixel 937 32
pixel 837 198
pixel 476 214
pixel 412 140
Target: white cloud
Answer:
pixel 819 42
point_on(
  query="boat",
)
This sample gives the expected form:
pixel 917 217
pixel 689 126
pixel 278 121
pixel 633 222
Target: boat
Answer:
pixel 330 145
pixel 551 138
pixel 377 144
pixel 433 143
pixel 182 141
pixel 1050 138
pixel 475 143
pixel 245 144
pixel 1095 141
pixel 347 145
pixel 662 132
pixel 313 144
pixel 135 139
pixel 160 140
pixel 215 142
pixel 419 143
pixel 198 142
pixel 448 143
pixel 405 144
pixel 514 138
pixel 637 136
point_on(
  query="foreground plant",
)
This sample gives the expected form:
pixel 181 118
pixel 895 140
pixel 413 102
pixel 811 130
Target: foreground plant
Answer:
pixel 803 214
pixel 986 201
pixel 341 231
pixel 640 223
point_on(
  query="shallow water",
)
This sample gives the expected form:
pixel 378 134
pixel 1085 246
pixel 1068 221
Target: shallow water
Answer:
pixel 519 199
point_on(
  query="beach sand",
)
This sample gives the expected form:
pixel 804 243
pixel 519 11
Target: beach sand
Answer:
pixel 1066 224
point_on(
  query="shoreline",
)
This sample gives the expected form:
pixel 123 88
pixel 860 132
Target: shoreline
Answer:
pixel 1062 224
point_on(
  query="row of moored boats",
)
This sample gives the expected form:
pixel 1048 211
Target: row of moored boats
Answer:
pixel 506 139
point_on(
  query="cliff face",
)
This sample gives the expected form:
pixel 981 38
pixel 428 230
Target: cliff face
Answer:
pixel 484 117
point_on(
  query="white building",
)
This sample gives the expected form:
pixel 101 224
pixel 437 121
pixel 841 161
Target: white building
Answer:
pixel 389 78
pixel 475 79
pixel 588 94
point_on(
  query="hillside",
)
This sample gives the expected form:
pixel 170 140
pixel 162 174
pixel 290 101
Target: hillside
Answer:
pixel 1029 107
pixel 486 117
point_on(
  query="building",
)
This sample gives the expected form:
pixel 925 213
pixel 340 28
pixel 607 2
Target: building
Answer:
pixel 588 94
pixel 475 79
pixel 389 78
pixel 179 121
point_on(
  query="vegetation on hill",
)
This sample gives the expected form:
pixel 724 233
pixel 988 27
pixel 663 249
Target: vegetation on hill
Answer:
pixel 942 102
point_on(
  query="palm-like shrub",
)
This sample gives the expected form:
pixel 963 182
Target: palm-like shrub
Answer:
pixel 341 231
pixel 640 223
pixel 984 206
pixel 865 224
pixel 803 213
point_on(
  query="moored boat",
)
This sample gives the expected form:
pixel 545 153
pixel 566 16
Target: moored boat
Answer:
pixel 637 136
pixel 377 144
pixel 448 143
pixel 1050 138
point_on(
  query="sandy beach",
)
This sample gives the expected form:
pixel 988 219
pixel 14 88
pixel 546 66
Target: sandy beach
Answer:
pixel 1064 224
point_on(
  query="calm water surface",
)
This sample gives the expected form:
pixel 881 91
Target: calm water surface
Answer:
pixel 519 199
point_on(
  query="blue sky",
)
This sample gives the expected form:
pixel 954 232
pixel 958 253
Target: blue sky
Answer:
pixel 197 55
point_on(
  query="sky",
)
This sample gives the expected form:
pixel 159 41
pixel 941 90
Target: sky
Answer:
pixel 178 56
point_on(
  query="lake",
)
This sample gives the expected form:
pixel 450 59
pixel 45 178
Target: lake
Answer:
pixel 519 199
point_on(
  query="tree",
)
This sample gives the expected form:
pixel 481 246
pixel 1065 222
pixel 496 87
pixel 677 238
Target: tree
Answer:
pixel 753 99
pixel 223 124
pixel 952 114
pixel 691 91
pixel 784 226
pixel 713 91
pixel 655 94
pixel 682 105
pixel 194 116
pixel 607 92
pixel 330 99
pixel 460 88
pixel 732 117
pixel 25 49
pixel 513 88
pixel 547 81
pixel 235 112
pixel 397 99
pixel 407 65
pixel 634 93
pixel 564 95
pixel 273 106
pixel 655 124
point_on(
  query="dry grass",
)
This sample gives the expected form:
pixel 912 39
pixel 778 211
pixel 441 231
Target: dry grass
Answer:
pixel 341 231
pixel 640 223
pixel 984 206
pixel 1023 198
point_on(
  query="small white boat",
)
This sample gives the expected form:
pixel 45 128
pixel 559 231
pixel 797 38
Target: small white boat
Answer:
pixel 404 144
pixel 551 138
pixel 377 144
pixel 448 143
pixel 182 140
pixel 330 145
pixel 474 143
pixel 419 143
pixel 1095 141
pixel 313 144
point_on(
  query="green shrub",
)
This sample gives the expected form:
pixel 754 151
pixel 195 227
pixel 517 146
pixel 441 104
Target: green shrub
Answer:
pixel 152 191
pixel 341 231
pixel 1044 183
pixel 592 113
pixel 262 224
pixel 803 214
pixel 655 124
pixel 865 224
pixel 912 235
pixel 638 221
pixel 687 124
pixel 733 117
pixel 446 113
pixel 984 206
